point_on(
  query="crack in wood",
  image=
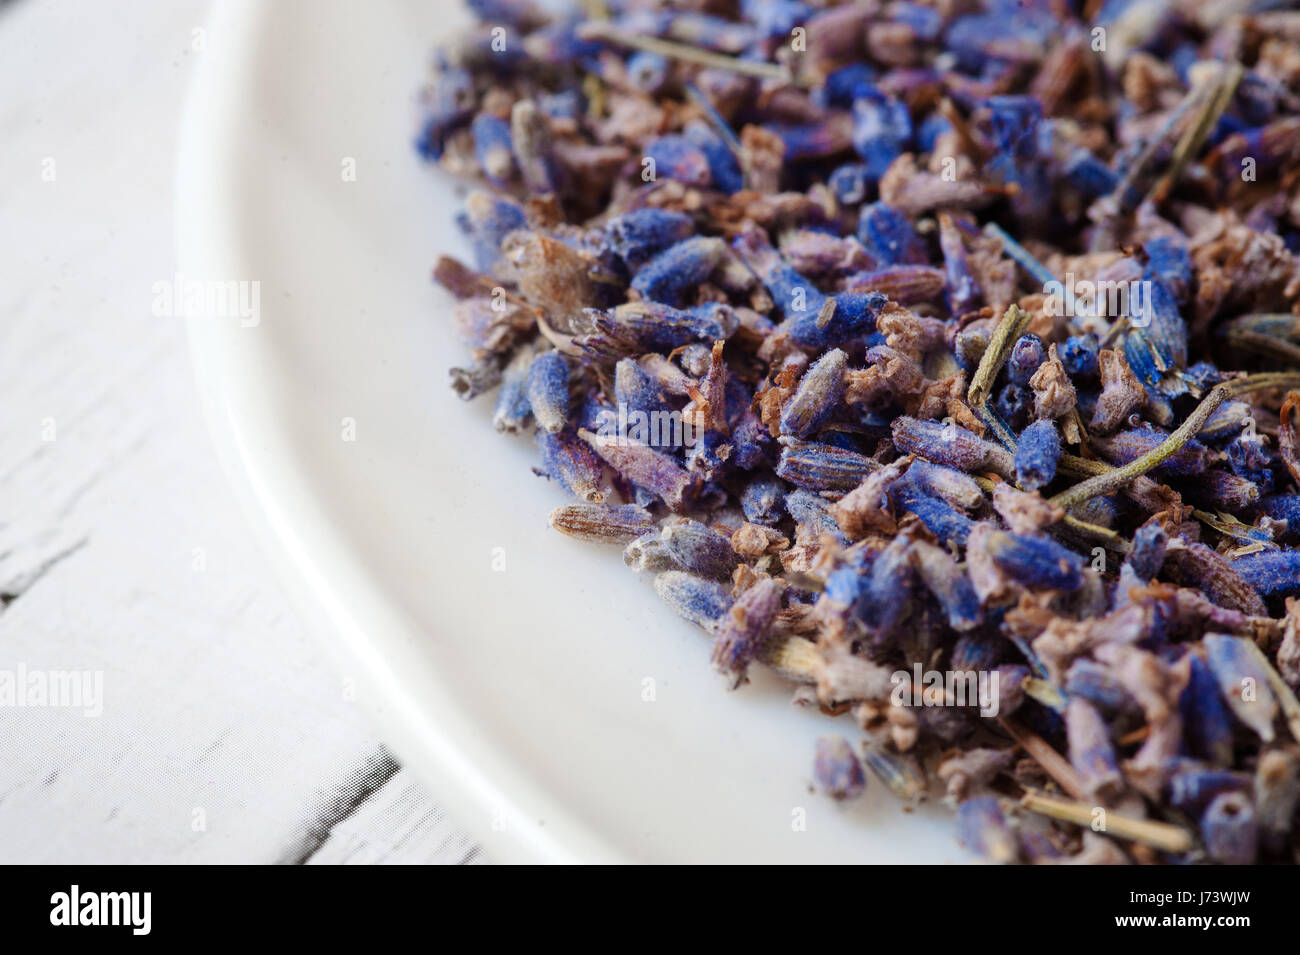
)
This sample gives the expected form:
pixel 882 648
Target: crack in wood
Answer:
pixel 361 786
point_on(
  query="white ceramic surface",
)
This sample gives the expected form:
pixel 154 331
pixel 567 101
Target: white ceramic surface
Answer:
pixel 519 695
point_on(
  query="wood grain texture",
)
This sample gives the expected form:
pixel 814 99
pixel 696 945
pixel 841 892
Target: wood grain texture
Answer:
pixel 223 737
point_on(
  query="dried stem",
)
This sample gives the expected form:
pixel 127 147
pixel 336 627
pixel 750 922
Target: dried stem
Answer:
pixel 1159 835
pixel 1053 763
pixel 603 30
pixel 1010 327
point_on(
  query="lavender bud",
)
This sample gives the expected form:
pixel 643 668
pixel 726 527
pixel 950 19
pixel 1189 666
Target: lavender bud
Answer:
pixel 1036 455
pixel 836 769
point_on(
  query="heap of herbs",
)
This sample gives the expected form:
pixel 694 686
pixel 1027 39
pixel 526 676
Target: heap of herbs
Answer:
pixel 942 358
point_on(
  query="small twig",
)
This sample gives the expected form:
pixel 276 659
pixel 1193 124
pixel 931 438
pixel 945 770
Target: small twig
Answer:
pixel 1113 539
pixel 603 30
pixel 1117 478
pixel 1053 763
pixel 715 119
pixel 1010 327
pixel 1224 87
pixel 1020 255
pixel 1160 835
pixel 1262 344
pixel 1126 191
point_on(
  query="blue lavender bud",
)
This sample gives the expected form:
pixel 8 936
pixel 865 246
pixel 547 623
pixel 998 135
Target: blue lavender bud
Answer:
pixel 724 167
pixel 889 237
pixel 942 519
pixel 1094 682
pixel 569 460
pixel 836 769
pixel 513 409
pixel 850 183
pixel 1026 355
pixel 1013 403
pixel 1147 555
pixel 1243 681
pixel 548 390
pixel 812 515
pixel 493 148
pixel 846 84
pixel 639 235
pixel 1283 507
pixel 822 467
pixel 1089 175
pixel 1206 721
pixel 882 131
pixel 762 501
pixel 676 157
pixel 817 396
pixel 1272 573
pixel 1169 262
pixel 1228 830
pixel 982 829
pixel 647 71
pixel 1035 561
pixel 741 632
pixel 1037 454
pixel 1091 753
pixel 486 220
pixel 702 602
pixel 700 549
pixel 1078 356
pixel 678 269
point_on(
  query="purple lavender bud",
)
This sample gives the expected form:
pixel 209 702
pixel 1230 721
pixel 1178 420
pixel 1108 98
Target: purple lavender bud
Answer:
pixel 970 345
pixel 493 148
pixel 548 390
pixel 982 829
pixel 958 489
pixel 1156 344
pixel 1228 830
pixel 963 289
pixel 487 220
pixel 1089 175
pixel 742 631
pixel 1271 573
pixel 602 523
pixel 1147 555
pixel 1223 491
pixel 570 461
pixel 1126 446
pixel 678 269
pixel 646 468
pixel 942 519
pixel 1250 458
pixel 950 445
pixel 904 284
pixel 817 396
pixel 1206 721
pixel 1192 788
pixel 647 553
pixel 1013 403
pixel 1242 681
pixel 948 583
pixel 676 157
pixel 887 595
pixel 1170 263
pixel 750 441
pixel 1037 454
pixel 836 769
pixel 762 501
pixel 1078 356
pixel 1091 752
pixel 724 167
pixel 889 237
pixel 1283 507
pixel 882 131
pixel 1094 682
pixel 849 183
pixel 977 651
pixel 1037 562
pixel 822 467
pixel 513 410
pixel 1026 355
pixel 812 514
pixel 636 390
pixel 700 549
pixel 702 602
pixel 854 316
pixel 648 326
pixel 647 71
pixel 483 375
pixel 446 107
pixel 792 293
pixel 637 236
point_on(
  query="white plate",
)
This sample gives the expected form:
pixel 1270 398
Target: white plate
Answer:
pixel 519 695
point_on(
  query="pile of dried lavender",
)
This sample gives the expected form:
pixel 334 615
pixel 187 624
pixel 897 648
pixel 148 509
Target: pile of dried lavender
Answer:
pixel 906 344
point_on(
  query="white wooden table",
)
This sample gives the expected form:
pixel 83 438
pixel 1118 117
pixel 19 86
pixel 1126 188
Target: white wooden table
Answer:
pixel 223 737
